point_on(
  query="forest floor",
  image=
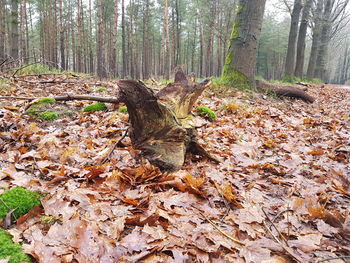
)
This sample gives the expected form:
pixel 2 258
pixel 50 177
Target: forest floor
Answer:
pixel 280 194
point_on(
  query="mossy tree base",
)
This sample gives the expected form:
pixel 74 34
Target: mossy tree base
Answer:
pixel 162 127
pixel 235 78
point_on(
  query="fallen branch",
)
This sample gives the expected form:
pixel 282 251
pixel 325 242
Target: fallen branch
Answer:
pixel 219 229
pixel 287 91
pixel 67 98
pixel 25 66
pixel 284 246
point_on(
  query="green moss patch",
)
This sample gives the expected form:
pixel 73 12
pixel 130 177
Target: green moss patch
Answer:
pixel 10 250
pixel 206 113
pixel 48 109
pixel 96 107
pixel 101 90
pixel 49 116
pixel 20 199
pixel 48 100
pixel 123 109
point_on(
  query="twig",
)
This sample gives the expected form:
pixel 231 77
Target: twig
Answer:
pixel 286 248
pixel 329 259
pixel 281 213
pixel 219 229
pixel 43 176
pixel 273 224
pixel 14 74
pixel 4 203
pixel 68 98
pixel 118 143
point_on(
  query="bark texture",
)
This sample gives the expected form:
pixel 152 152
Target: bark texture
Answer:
pixel 315 39
pixel 2 30
pixel 239 68
pixel 321 62
pixel 14 29
pixel 290 60
pixel 286 91
pixel 161 123
pixel 299 65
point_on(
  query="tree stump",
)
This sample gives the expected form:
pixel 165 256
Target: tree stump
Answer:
pixel 162 126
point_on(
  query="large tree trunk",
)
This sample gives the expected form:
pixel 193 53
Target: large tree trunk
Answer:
pixel 161 123
pixel 321 62
pixel 290 60
pixel 299 65
pixel 316 35
pixel 14 29
pixel 239 69
pixel 101 42
pixel 2 30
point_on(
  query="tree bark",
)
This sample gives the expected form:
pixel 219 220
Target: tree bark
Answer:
pixel 161 124
pixel 14 40
pixel 2 31
pixel 321 62
pixel 101 61
pixel 315 39
pixel 285 91
pixel 239 69
pixel 299 65
pixel 293 33
pixel 124 70
pixel 113 58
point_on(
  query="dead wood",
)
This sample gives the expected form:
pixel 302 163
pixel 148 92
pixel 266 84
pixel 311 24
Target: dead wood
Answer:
pixel 66 98
pixel 287 91
pixel 162 126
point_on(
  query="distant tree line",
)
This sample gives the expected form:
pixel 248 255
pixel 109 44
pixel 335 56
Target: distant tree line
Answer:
pixel 143 38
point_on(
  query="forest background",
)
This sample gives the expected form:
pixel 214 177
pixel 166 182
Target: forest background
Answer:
pixel 140 39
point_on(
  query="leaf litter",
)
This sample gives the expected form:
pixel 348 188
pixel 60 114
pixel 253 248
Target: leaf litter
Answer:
pixel 280 194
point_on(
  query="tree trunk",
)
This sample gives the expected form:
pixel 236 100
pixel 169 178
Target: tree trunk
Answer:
pixel 321 62
pixel 239 68
pixel 101 62
pixel 165 42
pixel 315 39
pixel 14 40
pixel 161 124
pixel 113 58
pixel 62 47
pixel 2 30
pixel 293 33
pixel 124 72
pixel 299 65
pixel 80 36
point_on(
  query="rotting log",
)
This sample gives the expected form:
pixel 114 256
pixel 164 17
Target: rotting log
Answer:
pixel 161 124
pixel 287 91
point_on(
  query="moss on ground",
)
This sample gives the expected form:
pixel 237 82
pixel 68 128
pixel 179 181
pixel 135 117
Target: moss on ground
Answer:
pixel 20 199
pixel 206 113
pixel 49 116
pixel 123 109
pixel 37 68
pixel 48 109
pixel 96 107
pixel 47 100
pixel 101 90
pixel 10 250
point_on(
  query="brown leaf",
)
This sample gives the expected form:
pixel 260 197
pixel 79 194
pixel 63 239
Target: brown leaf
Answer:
pixel 36 211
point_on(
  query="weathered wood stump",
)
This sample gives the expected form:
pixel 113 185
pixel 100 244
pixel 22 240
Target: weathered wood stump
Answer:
pixel 162 126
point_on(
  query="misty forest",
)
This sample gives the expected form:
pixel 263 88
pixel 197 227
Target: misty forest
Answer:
pixel 174 131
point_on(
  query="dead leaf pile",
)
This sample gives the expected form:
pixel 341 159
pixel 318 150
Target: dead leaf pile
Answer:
pixel 281 193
